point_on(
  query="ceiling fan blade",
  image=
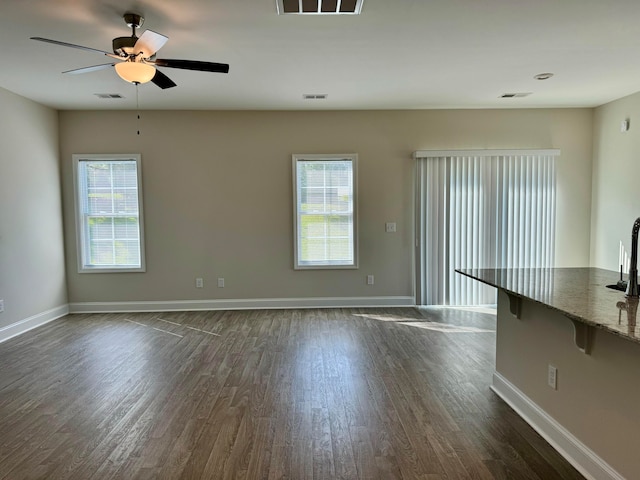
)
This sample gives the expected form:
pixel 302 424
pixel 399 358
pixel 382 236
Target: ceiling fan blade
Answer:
pixel 90 69
pixel 73 45
pixel 161 80
pixel 149 43
pixel 193 65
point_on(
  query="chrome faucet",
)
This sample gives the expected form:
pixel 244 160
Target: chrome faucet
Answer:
pixel 632 284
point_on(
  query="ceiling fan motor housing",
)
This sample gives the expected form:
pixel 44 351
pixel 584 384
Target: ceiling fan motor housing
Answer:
pixel 123 46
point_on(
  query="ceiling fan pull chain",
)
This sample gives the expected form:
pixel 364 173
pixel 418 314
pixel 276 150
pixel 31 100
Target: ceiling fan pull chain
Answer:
pixel 138 108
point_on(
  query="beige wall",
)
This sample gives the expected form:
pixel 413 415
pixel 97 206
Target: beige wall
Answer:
pixel 217 193
pixel 598 394
pixel 616 180
pixel 32 278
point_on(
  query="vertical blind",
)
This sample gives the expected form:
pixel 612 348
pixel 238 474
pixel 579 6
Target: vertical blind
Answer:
pixel 481 209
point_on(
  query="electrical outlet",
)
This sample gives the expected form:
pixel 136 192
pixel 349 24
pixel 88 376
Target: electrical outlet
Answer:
pixel 220 282
pixel 199 283
pixel 1 305
pixel 370 279
pixel 552 378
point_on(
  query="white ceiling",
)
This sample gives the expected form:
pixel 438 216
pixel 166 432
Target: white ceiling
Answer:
pixel 398 54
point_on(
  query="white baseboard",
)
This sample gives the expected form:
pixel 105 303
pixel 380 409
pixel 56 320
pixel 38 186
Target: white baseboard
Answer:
pixel 585 460
pixel 241 304
pixel 32 322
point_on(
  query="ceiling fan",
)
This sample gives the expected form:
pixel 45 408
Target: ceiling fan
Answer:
pixel 136 57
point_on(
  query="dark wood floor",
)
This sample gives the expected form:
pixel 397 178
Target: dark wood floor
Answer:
pixel 295 394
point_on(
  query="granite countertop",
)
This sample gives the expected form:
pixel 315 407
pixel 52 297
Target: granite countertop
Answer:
pixel 578 293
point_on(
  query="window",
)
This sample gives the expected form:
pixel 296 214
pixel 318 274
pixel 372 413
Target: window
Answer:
pixel 109 213
pixel 325 226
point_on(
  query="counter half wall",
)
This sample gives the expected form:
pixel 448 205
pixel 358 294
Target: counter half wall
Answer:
pixel 570 320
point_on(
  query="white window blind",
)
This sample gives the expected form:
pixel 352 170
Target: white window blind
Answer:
pixel 109 213
pixel 482 209
pixel 325 230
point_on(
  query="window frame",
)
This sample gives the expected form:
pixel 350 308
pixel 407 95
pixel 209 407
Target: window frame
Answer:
pixel 81 233
pixel 351 157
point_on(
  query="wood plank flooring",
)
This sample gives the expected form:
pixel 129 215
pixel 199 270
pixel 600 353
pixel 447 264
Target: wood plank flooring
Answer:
pixel 281 394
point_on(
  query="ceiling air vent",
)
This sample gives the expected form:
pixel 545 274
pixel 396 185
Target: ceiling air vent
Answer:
pixel 315 96
pixel 515 95
pixel 319 7
pixel 108 95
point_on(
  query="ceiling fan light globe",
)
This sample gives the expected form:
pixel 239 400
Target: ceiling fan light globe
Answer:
pixel 135 72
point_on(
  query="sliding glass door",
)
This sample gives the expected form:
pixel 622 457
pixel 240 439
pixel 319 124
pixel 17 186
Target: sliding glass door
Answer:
pixel 481 209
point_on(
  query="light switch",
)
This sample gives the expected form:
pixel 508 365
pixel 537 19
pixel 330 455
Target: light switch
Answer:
pixel 390 227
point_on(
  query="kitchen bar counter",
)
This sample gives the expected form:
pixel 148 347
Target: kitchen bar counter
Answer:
pixel 581 294
pixel 583 401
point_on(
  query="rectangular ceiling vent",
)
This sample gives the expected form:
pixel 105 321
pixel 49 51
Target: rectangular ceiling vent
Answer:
pixel 108 95
pixel 319 7
pixel 515 95
pixel 315 96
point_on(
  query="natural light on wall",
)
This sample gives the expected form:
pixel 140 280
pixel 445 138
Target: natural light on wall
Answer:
pixel 481 209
